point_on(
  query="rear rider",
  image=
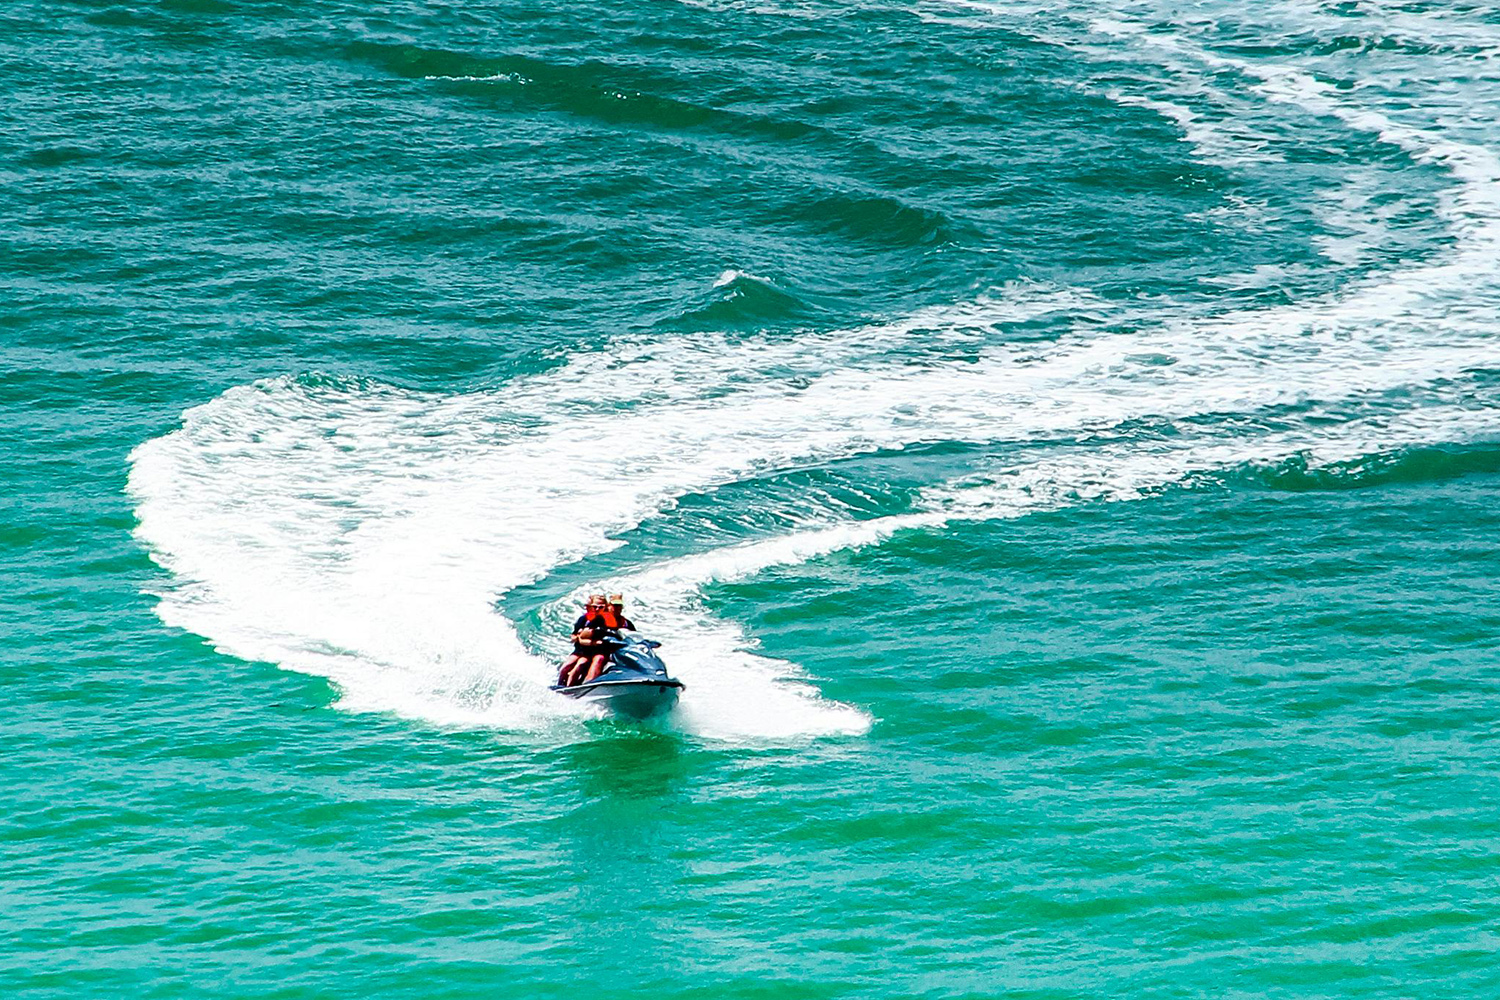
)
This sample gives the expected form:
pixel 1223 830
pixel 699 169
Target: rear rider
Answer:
pixel 617 605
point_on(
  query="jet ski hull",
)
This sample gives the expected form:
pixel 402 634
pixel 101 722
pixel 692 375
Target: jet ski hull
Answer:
pixel 635 699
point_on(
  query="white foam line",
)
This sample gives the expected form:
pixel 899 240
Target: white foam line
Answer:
pixel 1211 142
pixel 492 78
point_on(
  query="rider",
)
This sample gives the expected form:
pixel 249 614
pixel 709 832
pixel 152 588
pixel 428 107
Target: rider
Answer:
pixel 587 631
pixel 606 620
pixel 617 605
pixel 599 616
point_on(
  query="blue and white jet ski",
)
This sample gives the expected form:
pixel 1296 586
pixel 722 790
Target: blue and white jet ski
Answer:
pixel 634 681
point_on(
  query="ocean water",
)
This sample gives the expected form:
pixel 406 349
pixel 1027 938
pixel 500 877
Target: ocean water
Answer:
pixel 1057 443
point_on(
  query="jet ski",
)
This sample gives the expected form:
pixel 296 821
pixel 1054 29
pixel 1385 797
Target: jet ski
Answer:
pixel 634 682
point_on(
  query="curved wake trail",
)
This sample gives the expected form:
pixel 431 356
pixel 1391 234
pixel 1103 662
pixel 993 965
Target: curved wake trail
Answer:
pixel 364 533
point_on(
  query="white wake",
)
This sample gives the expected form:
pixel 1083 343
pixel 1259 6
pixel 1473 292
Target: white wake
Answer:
pixel 365 533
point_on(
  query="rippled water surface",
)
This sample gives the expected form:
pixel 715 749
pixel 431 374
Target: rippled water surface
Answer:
pixel 1056 443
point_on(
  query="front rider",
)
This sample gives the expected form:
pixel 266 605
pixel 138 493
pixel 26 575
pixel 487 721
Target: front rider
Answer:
pixel 605 620
pixel 588 630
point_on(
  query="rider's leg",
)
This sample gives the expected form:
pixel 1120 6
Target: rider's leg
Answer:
pixel 579 669
pixel 596 667
pixel 581 665
pixel 566 669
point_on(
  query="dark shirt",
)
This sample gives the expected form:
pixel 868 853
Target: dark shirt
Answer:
pixel 588 621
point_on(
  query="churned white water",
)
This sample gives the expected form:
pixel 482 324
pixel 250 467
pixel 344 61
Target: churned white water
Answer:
pixel 366 533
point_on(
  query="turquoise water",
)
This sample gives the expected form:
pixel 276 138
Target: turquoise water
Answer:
pixel 1056 443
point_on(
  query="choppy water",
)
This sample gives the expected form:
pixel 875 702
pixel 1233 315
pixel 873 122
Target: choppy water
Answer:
pixel 1056 442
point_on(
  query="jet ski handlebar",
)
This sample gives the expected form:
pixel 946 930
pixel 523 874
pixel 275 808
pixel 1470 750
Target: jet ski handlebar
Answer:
pixel 625 637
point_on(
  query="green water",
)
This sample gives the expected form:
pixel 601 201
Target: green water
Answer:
pixel 1055 443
